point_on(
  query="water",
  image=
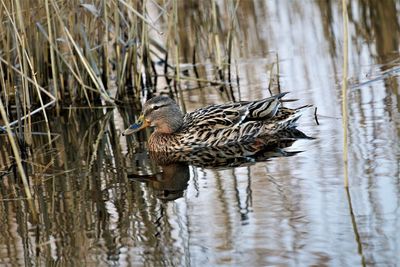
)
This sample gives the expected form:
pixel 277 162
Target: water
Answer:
pixel 100 203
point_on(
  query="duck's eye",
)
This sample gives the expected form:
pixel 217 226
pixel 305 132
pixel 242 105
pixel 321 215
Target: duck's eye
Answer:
pixel 156 107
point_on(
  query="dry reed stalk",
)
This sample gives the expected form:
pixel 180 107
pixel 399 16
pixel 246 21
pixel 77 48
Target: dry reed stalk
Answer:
pixel 220 62
pixel 24 92
pixel 344 91
pixel 27 78
pixel 37 86
pixel 189 78
pixel 148 22
pixel 231 39
pixel 278 73
pixel 271 78
pixel 216 35
pixel 18 159
pixel 355 228
pixel 52 55
pixel 69 59
pixel 69 48
pixel 21 43
pixel 145 58
pixel 117 50
pixel 99 84
pixel 345 125
pixel 75 74
pixel 238 81
pixel 105 39
pixel 176 50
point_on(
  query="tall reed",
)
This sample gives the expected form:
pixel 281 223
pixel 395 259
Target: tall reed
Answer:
pixel 68 53
pixel 344 91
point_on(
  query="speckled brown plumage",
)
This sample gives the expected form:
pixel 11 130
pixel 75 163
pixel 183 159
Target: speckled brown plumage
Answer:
pixel 215 125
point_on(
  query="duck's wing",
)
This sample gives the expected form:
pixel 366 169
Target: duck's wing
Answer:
pixel 228 115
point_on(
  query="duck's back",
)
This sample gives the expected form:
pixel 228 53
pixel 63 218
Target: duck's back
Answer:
pixel 221 125
pixel 233 114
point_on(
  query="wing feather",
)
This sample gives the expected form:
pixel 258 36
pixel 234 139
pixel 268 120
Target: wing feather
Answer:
pixel 233 114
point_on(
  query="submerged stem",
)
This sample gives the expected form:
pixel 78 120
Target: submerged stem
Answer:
pixel 17 158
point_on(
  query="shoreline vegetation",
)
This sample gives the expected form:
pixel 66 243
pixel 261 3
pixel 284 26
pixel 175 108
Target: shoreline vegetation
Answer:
pixel 103 53
pixel 64 54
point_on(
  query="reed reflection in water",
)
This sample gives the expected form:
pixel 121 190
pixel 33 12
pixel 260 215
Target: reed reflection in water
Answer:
pixel 102 203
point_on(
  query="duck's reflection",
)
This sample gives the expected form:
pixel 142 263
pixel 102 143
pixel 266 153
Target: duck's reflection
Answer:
pixel 170 183
pixel 168 173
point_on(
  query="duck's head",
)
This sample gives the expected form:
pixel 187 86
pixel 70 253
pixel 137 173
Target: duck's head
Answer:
pixel 160 112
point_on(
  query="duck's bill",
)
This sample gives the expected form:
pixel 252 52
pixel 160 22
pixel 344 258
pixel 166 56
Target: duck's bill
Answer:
pixel 139 125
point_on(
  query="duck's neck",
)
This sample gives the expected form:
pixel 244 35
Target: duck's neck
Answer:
pixel 163 142
pixel 168 128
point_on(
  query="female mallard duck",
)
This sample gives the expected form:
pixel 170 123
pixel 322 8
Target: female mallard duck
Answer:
pixel 262 122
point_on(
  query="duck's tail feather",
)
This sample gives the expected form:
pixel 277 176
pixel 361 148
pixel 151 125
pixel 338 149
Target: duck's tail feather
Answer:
pixel 289 122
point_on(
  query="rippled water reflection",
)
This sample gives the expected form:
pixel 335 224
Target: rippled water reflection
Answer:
pixel 102 203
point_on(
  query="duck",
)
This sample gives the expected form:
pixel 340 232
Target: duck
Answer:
pixel 261 123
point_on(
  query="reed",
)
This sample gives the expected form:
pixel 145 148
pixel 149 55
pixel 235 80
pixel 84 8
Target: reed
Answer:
pixel 58 54
pixel 352 215
pixel 344 91
pixel 72 49
pixel 18 161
